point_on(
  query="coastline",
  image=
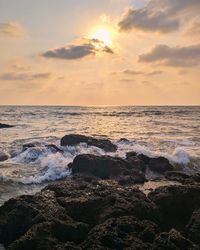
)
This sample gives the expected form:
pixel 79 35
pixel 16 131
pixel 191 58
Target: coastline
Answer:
pixel 106 203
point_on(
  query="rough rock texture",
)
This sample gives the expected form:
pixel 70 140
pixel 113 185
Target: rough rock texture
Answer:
pixel 193 227
pixel 74 139
pixel 66 211
pixel 5 126
pixel 100 207
pixel 160 165
pixel 3 156
pixel 176 203
pixel 106 167
pixel 173 240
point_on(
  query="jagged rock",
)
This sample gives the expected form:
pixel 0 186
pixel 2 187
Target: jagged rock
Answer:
pixel 136 163
pixel 3 156
pixel 54 148
pixel 160 165
pixel 122 233
pixel 176 204
pixel 61 215
pixel 193 227
pixel 74 139
pixel 144 158
pixel 105 167
pixel 177 176
pixel 173 240
pixel 5 126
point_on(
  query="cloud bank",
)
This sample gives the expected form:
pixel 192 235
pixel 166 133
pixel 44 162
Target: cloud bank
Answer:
pixel 161 16
pixel 173 56
pixel 13 76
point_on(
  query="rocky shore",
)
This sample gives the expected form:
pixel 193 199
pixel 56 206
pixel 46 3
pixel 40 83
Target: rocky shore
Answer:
pixel 102 206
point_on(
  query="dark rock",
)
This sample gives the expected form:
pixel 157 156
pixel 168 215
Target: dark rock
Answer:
pixel 193 227
pixel 93 202
pixel 160 165
pixel 106 167
pixel 137 164
pixel 18 215
pixel 176 203
pixel 74 139
pixel 176 176
pixel 100 166
pixel 131 154
pixel 54 148
pixel 3 156
pixel 144 158
pixel 5 126
pixel 28 145
pixel 173 241
pixel 123 140
pixel 122 233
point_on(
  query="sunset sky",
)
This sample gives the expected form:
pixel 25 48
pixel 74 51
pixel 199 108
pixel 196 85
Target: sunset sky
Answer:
pixel 100 52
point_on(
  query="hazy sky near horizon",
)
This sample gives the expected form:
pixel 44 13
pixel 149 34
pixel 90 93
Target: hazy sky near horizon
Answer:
pixel 100 52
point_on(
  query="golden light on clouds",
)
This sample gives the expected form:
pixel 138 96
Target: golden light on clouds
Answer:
pixel 103 34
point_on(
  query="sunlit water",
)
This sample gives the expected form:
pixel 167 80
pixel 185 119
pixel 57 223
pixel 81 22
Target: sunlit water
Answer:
pixel 173 132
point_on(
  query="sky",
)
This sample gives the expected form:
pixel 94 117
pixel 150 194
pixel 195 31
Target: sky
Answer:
pixel 100 52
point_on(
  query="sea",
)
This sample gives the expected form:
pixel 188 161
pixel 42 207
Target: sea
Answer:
pixel 169 131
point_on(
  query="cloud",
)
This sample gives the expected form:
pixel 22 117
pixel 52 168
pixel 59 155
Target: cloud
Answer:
pixel 193 29
pixel 132 72
pixel 11 29
pixel 13 76
pixel 72 52
pixel 173 56
pixel 161 16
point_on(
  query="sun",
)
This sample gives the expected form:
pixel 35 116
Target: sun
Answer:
pixel 103 34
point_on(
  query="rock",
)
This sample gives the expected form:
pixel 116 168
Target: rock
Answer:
pixel 173 240
pixel 176 204
pixel 99 166
pixel 123 140
pixel 28 145
pixel 144 158
pixel 54 148
pixel 62 214
pixel 74 139
pixel 193 227
pixel 160 165
pixel 136 163
pixel 131 154
pixel 3 156
pixel 5 126
pixel 122 233
pixel 176 176
pixel 20 214
pixel 105 167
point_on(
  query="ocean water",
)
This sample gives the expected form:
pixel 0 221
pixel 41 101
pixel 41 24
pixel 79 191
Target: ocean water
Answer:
pixel 173 132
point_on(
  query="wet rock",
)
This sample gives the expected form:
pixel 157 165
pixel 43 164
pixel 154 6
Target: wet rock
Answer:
pixel 20 214
pixel 176 204
pixel 100 166
pixel 193 227
pixel 123 140
pixel 3 156
pixel 173 240
pixel 5 126
pixel 131 154
pixel 177 176
pixel 74 139
pixel 160 165
pixel 106 167
pixel 136 163
pixel 122 233
pixel 144 158
pixel 28 145
pixel 54 148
